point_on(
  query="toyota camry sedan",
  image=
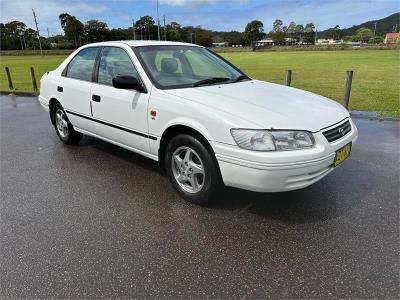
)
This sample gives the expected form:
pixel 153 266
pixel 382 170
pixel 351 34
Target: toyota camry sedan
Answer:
pixel 204 120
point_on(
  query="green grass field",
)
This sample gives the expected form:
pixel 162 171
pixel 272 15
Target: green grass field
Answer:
pixel 376 82
pixel 19 69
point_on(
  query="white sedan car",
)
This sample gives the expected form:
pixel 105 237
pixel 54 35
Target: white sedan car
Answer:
pixel 203 119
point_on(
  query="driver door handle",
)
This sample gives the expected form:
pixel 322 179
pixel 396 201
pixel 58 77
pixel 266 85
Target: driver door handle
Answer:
pixel 96 98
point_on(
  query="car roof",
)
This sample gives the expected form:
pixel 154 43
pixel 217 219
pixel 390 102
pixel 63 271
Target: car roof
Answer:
pixel 140 43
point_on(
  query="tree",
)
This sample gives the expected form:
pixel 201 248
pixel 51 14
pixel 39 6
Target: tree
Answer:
pixel 202 37
pixel 34 43
pixel 299 32
pixel 364 34
pixel 277 25
pixel 117 34
pixel 254 31
pixel 15 27
pixel 72 27
pixel 278 34
pixel 12 35
pixel 16 36
pixel 291 30
pixel 95 31
pixel 378 39
pixel 231 37
pixel 309 33
pixel 205 40
pixel 145 27
pixel 337 34
pixel 173 31
pixel 332 33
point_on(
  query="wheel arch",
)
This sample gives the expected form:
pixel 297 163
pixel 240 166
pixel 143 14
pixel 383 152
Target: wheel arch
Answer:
pixel 53 101
pixel 176 129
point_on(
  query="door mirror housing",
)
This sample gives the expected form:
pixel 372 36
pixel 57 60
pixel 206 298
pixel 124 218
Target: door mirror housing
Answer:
pixel 127 82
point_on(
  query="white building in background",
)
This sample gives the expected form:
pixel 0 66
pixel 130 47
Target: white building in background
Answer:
pixel 328 42
pixel 220 44
pixel 265 42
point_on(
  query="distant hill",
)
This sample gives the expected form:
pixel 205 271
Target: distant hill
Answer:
pixel 383 26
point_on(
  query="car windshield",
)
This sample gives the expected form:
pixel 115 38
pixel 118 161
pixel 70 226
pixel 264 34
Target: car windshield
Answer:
pixel 172 67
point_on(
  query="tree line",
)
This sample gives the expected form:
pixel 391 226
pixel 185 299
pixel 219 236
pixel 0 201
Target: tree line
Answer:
pixel 16 35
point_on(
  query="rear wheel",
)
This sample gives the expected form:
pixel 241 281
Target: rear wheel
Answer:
pixel 192 169
pixel 64 128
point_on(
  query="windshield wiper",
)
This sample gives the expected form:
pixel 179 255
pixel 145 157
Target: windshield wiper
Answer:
pixel 240 78
pixel 210 81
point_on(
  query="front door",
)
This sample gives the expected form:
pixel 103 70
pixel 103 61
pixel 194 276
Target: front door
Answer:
pixel 122 113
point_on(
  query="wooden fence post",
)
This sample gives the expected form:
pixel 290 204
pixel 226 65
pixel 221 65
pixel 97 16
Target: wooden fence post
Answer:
pixel 288 78
pixel 10 84
pixel 33 78
pixel 347 88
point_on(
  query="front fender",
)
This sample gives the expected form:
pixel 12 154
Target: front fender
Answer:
pixel 194 124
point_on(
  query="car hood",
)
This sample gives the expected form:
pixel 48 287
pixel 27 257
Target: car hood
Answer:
pixel 268 105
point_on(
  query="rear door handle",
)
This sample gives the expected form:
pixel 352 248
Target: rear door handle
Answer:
pixel 60 89
pixel 96 98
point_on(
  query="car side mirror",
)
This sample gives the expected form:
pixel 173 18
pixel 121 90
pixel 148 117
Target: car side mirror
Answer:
pixel 127 82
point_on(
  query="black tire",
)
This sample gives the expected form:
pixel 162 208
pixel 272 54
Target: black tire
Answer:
pixel 210 180
pixel 69 136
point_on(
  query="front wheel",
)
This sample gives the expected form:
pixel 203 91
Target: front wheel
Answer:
pixel 192 169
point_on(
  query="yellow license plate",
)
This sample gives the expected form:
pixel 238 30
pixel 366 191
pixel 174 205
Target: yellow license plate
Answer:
pixel 342 154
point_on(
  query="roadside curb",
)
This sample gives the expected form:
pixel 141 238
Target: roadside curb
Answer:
pixel 371 115
pixel 18 93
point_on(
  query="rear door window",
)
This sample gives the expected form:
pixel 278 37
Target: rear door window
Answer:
pixel 81 66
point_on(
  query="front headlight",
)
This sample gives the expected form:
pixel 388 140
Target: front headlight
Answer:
pixel 272 140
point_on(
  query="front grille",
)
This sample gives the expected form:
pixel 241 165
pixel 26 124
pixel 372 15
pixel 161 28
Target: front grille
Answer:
pixel 337 132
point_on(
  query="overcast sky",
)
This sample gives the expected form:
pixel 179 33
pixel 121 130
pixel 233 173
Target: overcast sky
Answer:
pixel 210 14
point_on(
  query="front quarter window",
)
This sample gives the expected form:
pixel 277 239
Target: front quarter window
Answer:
pixel 184 66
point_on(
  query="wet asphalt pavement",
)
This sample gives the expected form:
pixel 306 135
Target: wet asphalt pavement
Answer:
pixel 95 220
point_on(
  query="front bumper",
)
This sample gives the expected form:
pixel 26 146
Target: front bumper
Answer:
pixel 279 171
pixel 43 102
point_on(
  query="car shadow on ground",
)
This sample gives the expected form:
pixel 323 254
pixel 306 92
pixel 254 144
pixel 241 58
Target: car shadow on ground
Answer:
pixel 121 153
pixel 329 198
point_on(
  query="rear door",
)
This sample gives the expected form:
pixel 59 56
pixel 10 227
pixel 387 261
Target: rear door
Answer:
pixel 75 85
pixel 121 115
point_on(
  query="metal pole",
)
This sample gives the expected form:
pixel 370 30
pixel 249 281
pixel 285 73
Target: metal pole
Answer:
pixel 23 37
pixel 134 29
pixel 141 30
pixel 288 78
pixel 37 31
pixel 158 22
pixel 22 46
pixel 10 84
pixel 165 30
pixel 347 88
pixel 316 36
pixel 374 32
pixel 33 78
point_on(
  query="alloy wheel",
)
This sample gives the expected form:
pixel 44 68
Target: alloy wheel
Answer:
pixel 188 169
pixel 62 123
